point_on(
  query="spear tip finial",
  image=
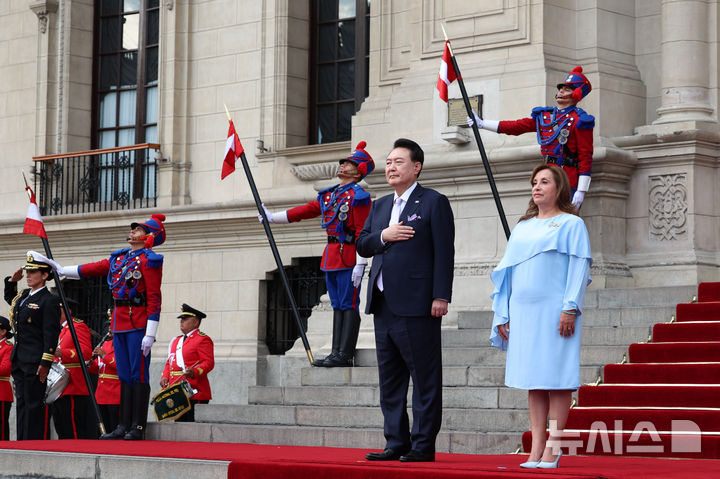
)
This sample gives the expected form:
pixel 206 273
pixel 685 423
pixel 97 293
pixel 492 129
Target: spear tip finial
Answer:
pixel 227 112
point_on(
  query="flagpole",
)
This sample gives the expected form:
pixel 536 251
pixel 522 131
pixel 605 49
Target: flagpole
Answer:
pixel 274 249
pixel 478 140
pixel 71 326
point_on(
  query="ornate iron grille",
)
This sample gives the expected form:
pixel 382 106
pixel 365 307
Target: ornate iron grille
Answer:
pixel 307 284
pixel 97 180
pixel 94 299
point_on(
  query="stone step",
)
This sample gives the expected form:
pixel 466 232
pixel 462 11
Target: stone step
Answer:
pixel 458 442
pixel 592 336
pixel 629 316
pixel 452 376
pixel 23 463
pixel 454 419
pixel 589 356
pixel 369 396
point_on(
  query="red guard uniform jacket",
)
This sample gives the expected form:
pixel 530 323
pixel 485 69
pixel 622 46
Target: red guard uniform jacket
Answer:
pixel 144 268
pixel 198 354
pixel 342 227
pixel 70 359
pixel 549 123
pixel 6 392
pixel 108 386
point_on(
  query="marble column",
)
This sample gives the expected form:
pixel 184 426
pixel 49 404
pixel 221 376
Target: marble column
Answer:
pixel 685 62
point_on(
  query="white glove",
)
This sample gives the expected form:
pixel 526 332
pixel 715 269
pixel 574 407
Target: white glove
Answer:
pixel 267 214
pixel 477 121
pixel 357 274
pixel 577 199
pixel 70 272
pixel 42 258
pixel 279 217
pixel 149 338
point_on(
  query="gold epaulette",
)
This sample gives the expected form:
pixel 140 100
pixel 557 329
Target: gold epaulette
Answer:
pixel 200 333
pixel 9 343
pixel 77 320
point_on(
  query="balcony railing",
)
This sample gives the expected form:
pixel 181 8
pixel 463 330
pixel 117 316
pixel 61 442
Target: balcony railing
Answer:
pixel 97 180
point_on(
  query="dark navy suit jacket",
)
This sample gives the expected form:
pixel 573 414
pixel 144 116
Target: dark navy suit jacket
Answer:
pixel 420 269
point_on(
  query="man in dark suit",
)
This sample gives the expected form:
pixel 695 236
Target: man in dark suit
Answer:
pixel 36 315
pixel 410 235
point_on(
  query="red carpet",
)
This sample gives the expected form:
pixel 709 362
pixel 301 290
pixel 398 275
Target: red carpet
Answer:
pixel 708 292
pixel 274 462
pixel 666 401
pixel 682 373
pixel 698 311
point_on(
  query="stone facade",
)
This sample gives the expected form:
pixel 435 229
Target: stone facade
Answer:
pixel 653 210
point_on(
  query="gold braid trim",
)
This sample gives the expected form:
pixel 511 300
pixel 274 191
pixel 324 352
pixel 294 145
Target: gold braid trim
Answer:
pixel 11 313
pixel 47 357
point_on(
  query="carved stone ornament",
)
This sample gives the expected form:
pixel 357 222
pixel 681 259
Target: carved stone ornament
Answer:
pixel 315 171
pixel 475 269
pixel 668 207
pixel 43 10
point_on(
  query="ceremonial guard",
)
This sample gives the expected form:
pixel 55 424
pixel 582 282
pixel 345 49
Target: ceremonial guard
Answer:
pixel 35 313
pixel 6 392
pixel 564 132
pixel 107 393
pixel 191 357
pixel 343 209
pixel 70 412
pixel 134 275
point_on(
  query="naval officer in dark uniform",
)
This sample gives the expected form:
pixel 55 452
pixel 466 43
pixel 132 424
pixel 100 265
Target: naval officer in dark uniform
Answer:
pixel 36 315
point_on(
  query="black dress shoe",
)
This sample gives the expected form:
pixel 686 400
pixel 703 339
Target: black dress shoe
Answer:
pixel 414 456
pixel 387 455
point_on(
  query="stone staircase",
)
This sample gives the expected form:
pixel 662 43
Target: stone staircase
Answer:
pixel 302 405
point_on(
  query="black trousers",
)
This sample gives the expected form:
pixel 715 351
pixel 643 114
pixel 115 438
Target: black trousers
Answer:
pixel 5 420
pixel 190 415
pixel 33 416
pixel 111 416
pixel 408 347
pixel 74 417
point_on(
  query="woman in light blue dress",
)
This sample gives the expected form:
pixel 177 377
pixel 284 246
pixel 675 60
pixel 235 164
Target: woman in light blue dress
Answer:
pixel 538 299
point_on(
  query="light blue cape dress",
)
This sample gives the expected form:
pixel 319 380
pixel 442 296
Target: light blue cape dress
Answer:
pixel 545 270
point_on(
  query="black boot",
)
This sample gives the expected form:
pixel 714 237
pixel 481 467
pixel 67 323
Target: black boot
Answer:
pixel 337 333
pixel 348 340
pixel 126 405
pixel 141 399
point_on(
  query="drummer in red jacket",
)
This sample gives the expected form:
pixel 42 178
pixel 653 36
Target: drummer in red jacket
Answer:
pixel 107 393
pixel 191 357
pixel 72 411
pixel 6 392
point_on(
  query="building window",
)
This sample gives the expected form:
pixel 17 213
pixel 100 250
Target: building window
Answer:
pixel 340 41
pixel 125 91
pixel 307 283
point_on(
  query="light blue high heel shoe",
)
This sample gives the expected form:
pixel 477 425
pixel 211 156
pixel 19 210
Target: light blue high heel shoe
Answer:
pixel 550 465
pixel 530 464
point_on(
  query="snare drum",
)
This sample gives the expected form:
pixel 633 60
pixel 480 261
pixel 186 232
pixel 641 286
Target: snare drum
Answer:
pixel 57 379
pixel 173 401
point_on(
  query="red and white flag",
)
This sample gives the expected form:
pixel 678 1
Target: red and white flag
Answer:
pixel 447 74
pixel 233 150
pixel 33 221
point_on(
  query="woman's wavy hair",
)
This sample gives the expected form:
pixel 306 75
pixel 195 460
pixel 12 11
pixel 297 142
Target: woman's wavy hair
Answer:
pixel 563 191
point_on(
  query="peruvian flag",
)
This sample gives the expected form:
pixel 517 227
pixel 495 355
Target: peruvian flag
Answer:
pixel 233 150
pixel 447 74
pixel 33 222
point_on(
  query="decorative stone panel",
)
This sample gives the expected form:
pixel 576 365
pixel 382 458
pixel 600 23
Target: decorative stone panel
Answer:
pixel 668 207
